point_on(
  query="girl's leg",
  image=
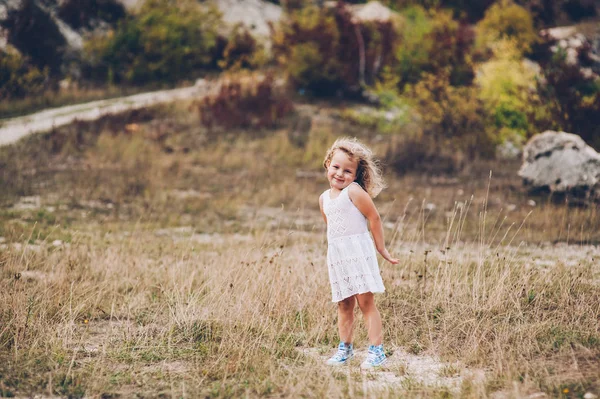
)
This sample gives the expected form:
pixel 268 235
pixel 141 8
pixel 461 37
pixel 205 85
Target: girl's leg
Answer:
pixel 346 319
pixel 366 302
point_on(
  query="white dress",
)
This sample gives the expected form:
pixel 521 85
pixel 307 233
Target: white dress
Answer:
pixel 351 256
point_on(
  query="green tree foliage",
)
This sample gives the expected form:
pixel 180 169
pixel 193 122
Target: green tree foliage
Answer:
pixel 507 20
pixel 85 13
pixel 18 78
pixel 166 41
pixel 452 127
pixel 430 42
pixel 452 44
pixel 468 10
pixel 559 12
pixel 507 89
pixel 412 55
pixel 453 116
pixel 320 49
pixel 242 51
pixel 32 31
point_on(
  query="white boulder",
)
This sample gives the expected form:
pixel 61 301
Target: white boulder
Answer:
pixel 562 163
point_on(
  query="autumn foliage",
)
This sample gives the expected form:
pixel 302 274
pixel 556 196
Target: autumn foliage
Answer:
pixel 245 101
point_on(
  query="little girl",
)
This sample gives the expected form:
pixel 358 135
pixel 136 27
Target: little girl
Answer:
pixel 346 207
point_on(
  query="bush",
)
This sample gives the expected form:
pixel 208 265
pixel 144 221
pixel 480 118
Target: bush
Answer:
pixel 242 51
pixel 559 12
pixel 167 41
pixel 464 10
pixel 412 54
pixel 320 52
pixel 35 34
pixel 245 101
pixel 306 46
pixel 507 20
pixel 18 78
pixel 451 128
pixel 452 44
pixel 85 13
pixel 573 99
pixel 508 91
pixel 431 42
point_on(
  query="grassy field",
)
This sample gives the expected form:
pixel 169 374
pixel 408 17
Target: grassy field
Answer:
pixel 143 256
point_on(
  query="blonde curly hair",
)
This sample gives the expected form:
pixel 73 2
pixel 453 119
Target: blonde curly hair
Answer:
pixel 368 172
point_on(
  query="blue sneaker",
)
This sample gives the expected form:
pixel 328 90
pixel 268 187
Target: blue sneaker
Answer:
pixel 343 354
pixel 375 358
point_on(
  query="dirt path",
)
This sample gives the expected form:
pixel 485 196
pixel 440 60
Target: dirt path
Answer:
pixel 14 129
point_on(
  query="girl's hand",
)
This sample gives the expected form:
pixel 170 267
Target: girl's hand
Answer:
pixel 386 255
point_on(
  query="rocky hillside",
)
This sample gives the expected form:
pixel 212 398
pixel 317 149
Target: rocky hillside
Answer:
pixel 51 32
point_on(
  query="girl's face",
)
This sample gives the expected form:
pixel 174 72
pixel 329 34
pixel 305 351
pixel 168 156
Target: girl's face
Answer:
pixel 341 171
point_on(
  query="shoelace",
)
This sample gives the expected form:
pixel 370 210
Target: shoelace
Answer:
pixel 373 356
pixel 341 354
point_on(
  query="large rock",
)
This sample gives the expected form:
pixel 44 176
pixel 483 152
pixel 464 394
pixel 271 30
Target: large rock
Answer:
pixel 561 163
pixel 253 14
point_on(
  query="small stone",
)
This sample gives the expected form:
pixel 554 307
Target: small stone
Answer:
pixel 2 239
pixel 571 56
pixel 589 395
pixel 511 207
pixel 575 42
pixel 531 202
pixel 57 243
pixel 430 206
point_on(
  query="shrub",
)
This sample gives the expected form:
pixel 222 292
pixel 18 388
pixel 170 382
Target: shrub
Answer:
pixel 412 54
pixel 404 4
pixel 431 42
pixel 306 45
pixel 245 101
pixel 242 51
pixel 451 128
pixel 85 13
pixel 320 52
pixel 573 99
pixel 18 78
pixel 507 20
pixel 507 89
pixel 469 10
pixel 465 10
pixel 35 34
pixel 452 43
pixel 559 12
pixel 167 41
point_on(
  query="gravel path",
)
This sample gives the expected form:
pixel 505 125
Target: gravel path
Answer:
pixel 14 129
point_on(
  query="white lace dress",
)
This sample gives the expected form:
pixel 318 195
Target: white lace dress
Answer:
pixel 351 255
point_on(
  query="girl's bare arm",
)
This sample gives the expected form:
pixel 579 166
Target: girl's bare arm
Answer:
pixel 365 204
pixel 321 207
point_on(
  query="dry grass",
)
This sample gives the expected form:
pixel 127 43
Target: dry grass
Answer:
pixel 185 265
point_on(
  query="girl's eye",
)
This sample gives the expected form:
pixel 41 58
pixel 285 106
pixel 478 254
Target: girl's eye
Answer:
pixel 347 171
